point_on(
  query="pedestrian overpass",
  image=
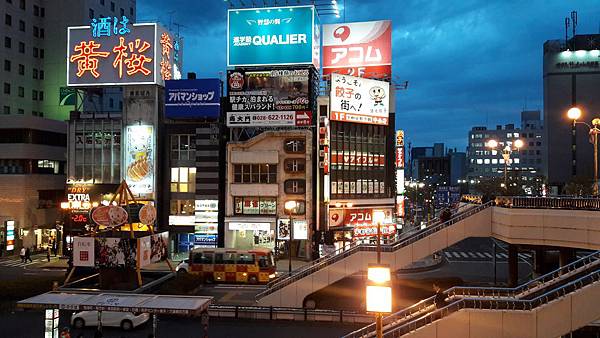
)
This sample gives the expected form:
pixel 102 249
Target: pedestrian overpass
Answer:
pixel 558 222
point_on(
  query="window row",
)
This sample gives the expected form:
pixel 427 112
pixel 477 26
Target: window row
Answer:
pixel 255 173
pixel 113 8
pixel 19 167
pixel 183 147
pixel 37 52
pixel 36 74
pixel 255 205
pixel 36 95
pixel 33 136
pixel 37 31
pixel 37 10
pixel 230 258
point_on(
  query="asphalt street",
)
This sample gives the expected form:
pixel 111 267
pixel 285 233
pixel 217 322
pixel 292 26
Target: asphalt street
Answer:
pixel 11 268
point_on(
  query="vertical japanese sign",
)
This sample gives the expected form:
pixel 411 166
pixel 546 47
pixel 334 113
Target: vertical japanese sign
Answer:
pixel 83 251
pixel 112 51
pixel 10 235
pixel 192 98
pixel 139 160
pixel 272 36
pixel 359 49
pixel 400 173
pixel 358 100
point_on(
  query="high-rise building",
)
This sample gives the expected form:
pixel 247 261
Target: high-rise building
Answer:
pixel 571 78
pixel 436 166
pixel 34 134
pixel 484 161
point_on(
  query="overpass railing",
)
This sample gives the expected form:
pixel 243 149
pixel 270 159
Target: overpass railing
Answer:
pixel 287 313
pixel 425 306
pixel 486 303
pixel 354 248
pixel 571 203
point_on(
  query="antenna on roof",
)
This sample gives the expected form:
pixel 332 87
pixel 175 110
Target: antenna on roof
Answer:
pixel 567 24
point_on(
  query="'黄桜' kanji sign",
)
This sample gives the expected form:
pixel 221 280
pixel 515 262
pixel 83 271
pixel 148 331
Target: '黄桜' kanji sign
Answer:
pixel 112 51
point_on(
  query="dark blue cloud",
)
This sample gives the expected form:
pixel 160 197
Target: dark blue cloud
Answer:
pixel 469 62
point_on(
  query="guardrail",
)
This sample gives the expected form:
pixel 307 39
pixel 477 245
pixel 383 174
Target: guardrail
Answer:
pixel 350 250
pixel 571 203
pixel 535 285
pixel 285 313
pixel 495 304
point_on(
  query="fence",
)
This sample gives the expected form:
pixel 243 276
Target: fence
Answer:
pixel 283 313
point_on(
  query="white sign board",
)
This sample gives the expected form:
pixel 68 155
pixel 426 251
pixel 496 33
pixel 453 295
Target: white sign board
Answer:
pixel 359 100
pixel 300 230
pixel 139 160
pixel 83 251
pixel 242 226
pixel 269 119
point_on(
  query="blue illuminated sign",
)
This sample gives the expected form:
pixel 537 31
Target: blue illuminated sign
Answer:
pixel 205 240
pixel 192 98
pixel 272 36
pixel 107 26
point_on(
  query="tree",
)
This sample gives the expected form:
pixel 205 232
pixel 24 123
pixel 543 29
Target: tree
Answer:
pixel 579 186
pixel 489 187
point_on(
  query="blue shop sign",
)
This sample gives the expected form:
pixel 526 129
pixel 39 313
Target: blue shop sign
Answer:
pixel 272 36
pixel 192 99
pixel 203 240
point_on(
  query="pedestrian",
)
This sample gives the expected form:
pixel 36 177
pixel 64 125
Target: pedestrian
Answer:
pixel 28 255
pixel 48 252
pixel 22 254
pixel 65 333
pixel 440 298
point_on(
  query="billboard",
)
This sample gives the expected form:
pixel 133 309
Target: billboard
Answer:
pixel 112 51
pixel 269 97
pixel 272 36
pixel 358 100
pixel 359 49
pixel 139 159
pixel 114 252
pixel 192 99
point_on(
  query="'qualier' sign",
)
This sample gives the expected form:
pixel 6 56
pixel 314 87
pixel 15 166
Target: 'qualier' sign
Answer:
pixel 273 36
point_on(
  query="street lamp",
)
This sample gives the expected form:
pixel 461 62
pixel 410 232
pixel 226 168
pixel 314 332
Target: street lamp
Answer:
pixel 574 114
pixel 594 129
pixel 289 207
pixel 379 290
pixel 506 152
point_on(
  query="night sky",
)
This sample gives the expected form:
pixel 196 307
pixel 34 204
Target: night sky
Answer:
pixel 468 62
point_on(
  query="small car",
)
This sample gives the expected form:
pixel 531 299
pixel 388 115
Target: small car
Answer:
pixel 183 267
pixel 124 320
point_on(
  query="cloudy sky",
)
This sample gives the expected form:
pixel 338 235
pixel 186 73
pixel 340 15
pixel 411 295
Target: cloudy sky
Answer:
pixel 468 62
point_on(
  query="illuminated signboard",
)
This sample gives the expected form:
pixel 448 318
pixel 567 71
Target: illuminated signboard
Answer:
pixel 354 158
pixel 359 49
pixel 270 97
pixel 10 235
pixel 139 160
pixel 273 36
pixel 358 100
pixel 112 51
pixel 198 98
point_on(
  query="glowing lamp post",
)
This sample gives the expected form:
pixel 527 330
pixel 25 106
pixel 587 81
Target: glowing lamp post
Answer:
pixel 574 114
pixel 506 152
pixel 594 129
pixel 290 206
pixel 379 293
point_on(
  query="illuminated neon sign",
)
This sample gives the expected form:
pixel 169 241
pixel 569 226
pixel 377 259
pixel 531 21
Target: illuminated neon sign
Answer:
pixel 112 52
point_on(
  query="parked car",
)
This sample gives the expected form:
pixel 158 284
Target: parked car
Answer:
pixel 183 267
pixel 124 320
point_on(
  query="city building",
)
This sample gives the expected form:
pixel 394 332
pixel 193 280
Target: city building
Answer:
pixel 34 107
pixel 263 173
pixel 525 161
pixel 437 165
pixel 571 78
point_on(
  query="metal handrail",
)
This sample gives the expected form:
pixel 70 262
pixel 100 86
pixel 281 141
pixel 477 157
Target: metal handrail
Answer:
pixel 590 261
pixel 571 203
pixel 497 304
pixel 353 248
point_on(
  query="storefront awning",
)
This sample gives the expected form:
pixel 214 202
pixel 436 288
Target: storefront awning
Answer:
pixel 118 302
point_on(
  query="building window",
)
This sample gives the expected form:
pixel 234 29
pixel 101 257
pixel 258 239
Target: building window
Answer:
pixel 6 110
pixel 255 173
pixel 7 65
pixel 182 207
pixel 131 11
pixel 8 20
pixel 183 147
pixel 22 47
pixel 296 186
pixel 21 91
pixel 102 2
pixel 41 74
pixel 91 13
pixel 294 146
pixel 294 165
pixel 22 4
pixel 47 167
pixel 35 73
pixel 183 179
pixel 42 33
pixel 36 31
pixel 111 102
pixel 36 10
pixel 21 25
pixel 7 42
pixel 6 88
pixel 21 111
pixel 36 52
pixel 41 95
pixel 112 6
pixel 42 12
pixel 122 11
pixel 21 69
pixel 34 94
pixel 41 53
pixel 255 205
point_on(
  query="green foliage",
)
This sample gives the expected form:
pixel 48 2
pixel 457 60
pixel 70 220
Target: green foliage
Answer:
pixel 579 186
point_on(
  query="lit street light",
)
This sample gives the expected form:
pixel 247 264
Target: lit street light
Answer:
pixel 289 207
pixel 506 152
pixel 574 114
pixel 379 290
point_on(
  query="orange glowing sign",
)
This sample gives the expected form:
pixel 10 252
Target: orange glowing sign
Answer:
pixel 87 59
